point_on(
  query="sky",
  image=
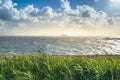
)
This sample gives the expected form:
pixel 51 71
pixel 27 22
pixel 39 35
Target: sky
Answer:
pixel 57 17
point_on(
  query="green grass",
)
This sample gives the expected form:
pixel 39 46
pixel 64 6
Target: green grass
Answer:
pixel 48 67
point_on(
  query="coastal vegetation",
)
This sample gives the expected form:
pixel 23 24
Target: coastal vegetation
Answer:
pixel 58 67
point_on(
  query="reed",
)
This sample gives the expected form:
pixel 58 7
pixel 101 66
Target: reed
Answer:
pixel 54 67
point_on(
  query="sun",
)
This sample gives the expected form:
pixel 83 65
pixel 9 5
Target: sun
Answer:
pixel 114 4
pixel 115 1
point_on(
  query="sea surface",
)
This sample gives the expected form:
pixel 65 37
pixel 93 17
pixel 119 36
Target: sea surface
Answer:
pixel 59 45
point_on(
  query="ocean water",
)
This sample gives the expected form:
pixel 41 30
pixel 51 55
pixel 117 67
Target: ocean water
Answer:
pixel 60 45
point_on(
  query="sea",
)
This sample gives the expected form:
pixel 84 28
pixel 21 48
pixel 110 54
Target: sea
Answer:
pixel 59 45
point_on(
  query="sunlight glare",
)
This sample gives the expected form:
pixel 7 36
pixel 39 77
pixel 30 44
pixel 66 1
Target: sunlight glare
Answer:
pixel 115 1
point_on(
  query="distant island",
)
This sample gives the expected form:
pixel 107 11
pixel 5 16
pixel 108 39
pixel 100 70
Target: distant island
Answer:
pixel 109 38
pixel 64 35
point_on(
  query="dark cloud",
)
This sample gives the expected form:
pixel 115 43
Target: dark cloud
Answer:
pixel 86 14
pixel 5 15
pixel 111 21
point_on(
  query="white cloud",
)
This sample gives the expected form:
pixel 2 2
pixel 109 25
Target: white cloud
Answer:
pixel 65 5
pixel 9 13
pixel 28 14
pixel 8 4
pixel 81 16
pixel 47 12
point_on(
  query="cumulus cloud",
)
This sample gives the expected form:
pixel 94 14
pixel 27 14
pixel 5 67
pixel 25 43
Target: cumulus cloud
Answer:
pixel 81 16
pixel 65 5
pixel 7 10
pixel 47 12
pixel 9 13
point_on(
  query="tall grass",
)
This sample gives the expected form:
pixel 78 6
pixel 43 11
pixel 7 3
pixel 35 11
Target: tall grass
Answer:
pixel 48 67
